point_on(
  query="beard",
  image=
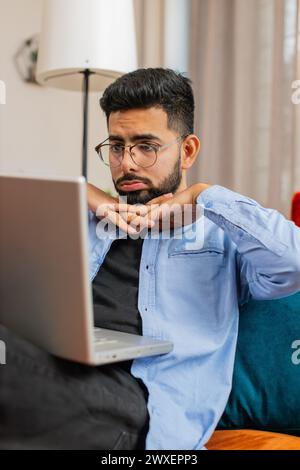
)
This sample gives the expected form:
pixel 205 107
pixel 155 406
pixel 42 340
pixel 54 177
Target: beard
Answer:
pixel 170 184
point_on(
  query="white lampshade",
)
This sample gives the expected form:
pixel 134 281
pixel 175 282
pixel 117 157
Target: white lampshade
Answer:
pixel 98 35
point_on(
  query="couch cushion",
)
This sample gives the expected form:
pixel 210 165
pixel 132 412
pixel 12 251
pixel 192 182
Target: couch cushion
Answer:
pixel 245 439
pixel 266 381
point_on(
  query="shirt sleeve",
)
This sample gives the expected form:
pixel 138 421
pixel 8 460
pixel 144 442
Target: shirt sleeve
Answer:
pixel 91 215
pixel 268 245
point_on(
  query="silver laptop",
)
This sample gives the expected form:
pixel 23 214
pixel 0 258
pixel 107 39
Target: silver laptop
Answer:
pixel 45 292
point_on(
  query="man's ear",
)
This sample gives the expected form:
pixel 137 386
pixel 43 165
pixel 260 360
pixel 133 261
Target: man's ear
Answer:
pixel 190 149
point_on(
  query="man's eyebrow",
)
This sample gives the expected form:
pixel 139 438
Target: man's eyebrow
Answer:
pixel 136 138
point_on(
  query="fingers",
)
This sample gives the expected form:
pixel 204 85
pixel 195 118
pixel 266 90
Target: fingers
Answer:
pixel 118 220
pixel 102 209
pixel 139 222
pixel 135 216
pixel 138 209
pixel 130 218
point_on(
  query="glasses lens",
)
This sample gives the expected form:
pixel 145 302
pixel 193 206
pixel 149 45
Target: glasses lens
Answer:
pixel 111 154
pixel 144 154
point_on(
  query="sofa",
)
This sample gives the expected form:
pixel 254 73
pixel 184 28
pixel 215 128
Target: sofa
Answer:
pixel 266 379
pixel 263 411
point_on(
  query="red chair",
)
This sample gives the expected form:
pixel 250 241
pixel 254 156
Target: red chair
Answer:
pixel 295 213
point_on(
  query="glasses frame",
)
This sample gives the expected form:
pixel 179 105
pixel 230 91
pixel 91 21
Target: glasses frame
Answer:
pixel 130 147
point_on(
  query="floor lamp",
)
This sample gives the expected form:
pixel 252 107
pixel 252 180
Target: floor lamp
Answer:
pixel 84 46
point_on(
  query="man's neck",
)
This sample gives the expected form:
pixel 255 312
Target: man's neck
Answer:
pixel 181 187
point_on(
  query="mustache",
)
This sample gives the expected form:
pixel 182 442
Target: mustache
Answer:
pixel 132 178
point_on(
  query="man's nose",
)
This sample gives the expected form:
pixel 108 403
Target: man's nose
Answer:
pixel 127 164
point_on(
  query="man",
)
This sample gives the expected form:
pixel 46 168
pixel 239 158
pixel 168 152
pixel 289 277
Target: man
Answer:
pixel 190 296
pixel 186 289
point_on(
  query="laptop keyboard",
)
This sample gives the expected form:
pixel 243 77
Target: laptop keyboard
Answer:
pixel 100 339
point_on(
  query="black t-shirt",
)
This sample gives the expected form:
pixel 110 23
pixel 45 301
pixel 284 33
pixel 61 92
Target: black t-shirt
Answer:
pixel 115 289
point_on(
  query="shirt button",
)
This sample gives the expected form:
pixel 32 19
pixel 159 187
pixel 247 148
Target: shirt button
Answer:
pixel 147 267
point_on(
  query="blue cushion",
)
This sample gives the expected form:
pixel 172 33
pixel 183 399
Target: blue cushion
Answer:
pixel 266 382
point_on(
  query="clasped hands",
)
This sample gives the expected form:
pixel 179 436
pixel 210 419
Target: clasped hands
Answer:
pixel 169 210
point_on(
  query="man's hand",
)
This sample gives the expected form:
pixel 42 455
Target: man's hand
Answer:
pixel 188 196
pixel 181 207
pixel 133 218
pixel 129 217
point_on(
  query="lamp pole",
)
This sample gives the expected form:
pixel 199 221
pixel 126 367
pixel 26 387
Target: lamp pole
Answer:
pixel 86 76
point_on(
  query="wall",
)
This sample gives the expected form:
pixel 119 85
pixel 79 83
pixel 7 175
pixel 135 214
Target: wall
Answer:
pixel 41 128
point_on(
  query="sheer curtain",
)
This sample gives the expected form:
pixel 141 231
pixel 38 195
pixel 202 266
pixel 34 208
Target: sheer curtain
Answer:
pixel 243 57
pixel 163 33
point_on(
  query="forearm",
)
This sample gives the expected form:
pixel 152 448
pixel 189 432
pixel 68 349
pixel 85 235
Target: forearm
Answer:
pixel 96 197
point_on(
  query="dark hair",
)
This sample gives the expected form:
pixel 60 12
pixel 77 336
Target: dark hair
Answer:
pixel 153 87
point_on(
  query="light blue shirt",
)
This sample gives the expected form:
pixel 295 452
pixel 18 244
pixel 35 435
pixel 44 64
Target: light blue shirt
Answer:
pixel 190 294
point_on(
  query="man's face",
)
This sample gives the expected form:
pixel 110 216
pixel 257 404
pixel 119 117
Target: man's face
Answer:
pixel 128 128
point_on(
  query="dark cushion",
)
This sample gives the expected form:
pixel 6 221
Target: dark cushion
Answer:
pixel 266 381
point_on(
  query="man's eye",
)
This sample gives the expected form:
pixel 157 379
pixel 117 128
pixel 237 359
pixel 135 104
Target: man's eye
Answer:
pixel 146 148
pixel 116 148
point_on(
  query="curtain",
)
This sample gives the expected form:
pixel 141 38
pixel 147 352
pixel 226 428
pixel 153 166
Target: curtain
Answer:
pixel 243 57
pixel 150 26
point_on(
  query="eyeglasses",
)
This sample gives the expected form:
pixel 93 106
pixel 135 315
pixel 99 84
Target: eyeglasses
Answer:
pixel 143 154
